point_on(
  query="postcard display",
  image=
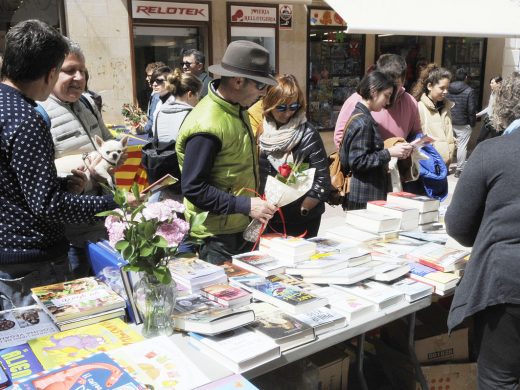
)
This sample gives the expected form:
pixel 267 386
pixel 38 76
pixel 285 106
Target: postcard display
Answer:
pixel 336 65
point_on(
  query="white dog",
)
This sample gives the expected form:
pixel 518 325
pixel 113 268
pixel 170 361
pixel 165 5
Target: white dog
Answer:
pixel 107 155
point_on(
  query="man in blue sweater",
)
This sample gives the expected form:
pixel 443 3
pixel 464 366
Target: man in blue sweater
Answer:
pixel 34 203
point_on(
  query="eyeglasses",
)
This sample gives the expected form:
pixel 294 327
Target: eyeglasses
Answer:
pixel 187 64
pixel 290 107
pixel 159 81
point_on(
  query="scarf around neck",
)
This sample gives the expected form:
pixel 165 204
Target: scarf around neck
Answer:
pixel 281 140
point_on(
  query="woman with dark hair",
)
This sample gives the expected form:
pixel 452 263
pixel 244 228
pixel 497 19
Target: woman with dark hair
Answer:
pixel 487 130
pixel 362 151
pixel 288 137
pixel 435 110
pixel 484 213
pixel 160 93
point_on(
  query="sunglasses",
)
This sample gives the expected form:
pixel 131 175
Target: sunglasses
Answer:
pixel 290 107
pixel 259 85
pixel 188 64
pixel 159 81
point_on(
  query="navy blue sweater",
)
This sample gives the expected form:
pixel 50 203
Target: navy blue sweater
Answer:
pixel 33 203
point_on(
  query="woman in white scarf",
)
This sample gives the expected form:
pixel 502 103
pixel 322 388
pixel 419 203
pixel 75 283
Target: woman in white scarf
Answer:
pixel 288 137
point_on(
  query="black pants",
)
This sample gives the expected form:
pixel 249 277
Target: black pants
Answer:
pixel 220 248
pixel 497 339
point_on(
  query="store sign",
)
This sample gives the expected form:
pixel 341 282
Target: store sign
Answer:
pixel 170 11
pixel 243 14
pixel 285 13
pixel 324 17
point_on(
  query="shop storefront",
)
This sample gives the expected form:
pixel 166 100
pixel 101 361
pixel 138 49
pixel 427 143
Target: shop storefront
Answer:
pixel 336 65
pixel 161 31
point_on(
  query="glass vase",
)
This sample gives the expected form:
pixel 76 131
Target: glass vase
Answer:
pixel 155 302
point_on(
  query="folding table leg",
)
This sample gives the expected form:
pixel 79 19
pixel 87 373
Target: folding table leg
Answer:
pixel 360 358
pixel 411 349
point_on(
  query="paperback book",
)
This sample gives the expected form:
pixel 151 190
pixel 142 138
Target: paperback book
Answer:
pixel 291 250
pixel 158 363
pixel 285 330
pixel 441 281
pixel 288 298
pixel 350 234
pixel 380 294
pixel 407 199
pixel 372 222
pixel 234 270
pixel 226 295
pixel 386 271
pixel 239 350
pixel 20 362
pixel 78 298
pixel 412 289
pixel 408 216
pixel 195 313
pixel 194 273
pixel 20 325
pixel 349 275
pixel 351 306
pixel 440 257
pixel 259 263
pixel 323 320
pixel 60 348
pixel 330 245
pixel 96 372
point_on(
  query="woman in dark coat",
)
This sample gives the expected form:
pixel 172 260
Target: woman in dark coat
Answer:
pixel 362 151
pixel 288 137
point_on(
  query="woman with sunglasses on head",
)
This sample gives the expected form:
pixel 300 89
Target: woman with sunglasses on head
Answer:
pixel 362 151
pixel 288 137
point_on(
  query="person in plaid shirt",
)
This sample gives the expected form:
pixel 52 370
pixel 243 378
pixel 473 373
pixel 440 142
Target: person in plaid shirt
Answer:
pixel 363 151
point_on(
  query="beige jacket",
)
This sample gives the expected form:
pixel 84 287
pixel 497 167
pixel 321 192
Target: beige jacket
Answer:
pixel 438 125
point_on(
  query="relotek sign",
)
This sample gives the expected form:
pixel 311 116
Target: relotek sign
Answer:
pixel 171 11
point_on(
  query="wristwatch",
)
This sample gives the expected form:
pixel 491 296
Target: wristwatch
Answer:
pixel 304 212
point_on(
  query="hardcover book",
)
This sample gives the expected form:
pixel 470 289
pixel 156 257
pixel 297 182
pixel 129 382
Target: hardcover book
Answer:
pixel 96 372
pixel 159 363
pixel 195 313
pixel 226 295
pixel 260 263
pixel 77 298
pixel 61 348
pixel 239 350
pixel 285 330
pixel 372 222
pixel 20 325
pixel 407 199
pixel 272 289
pixel 20 362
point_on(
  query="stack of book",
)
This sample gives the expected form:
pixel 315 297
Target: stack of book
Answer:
pixel 412 289
pixel 386 271
pixel 260 263
pixel 409 216
pixel 226 295
pixel 373 222
pixel 290 250
pixel 194 274
pixel 350 234
pixel 439 257
pixel 349 305
pixel 347 275
pixel 428 207
pixel 442 282
pixel 79 302
pixel 379 294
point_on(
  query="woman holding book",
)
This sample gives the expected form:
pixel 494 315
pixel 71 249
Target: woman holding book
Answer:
pixel 485 213
pixel 288 137
pixel 435 110
pixel 362 151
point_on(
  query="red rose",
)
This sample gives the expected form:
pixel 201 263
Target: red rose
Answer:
pixel 285 170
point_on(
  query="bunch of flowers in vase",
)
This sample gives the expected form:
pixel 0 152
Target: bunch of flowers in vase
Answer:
pixel 135 118
pixel 148 236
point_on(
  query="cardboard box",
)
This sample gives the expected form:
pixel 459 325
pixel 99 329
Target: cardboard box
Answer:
pixel 333 366
pixel 450 376
pixel 443 347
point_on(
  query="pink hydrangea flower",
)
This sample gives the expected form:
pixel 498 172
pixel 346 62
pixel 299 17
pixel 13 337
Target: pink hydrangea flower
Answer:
pixel 158 211
pixel 174 205
pixel 173 232
pixel 116 231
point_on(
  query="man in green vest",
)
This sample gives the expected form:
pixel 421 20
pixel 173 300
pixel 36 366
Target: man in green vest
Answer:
pixel 218 155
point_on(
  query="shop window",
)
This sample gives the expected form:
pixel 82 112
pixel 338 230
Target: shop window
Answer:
pixel 264 36
pixel 166 44
pixel 468 53
pixel 336 65
pixel 416 50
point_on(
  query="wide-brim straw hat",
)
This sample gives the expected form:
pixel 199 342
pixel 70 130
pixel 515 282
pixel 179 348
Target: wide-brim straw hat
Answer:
pixel 245 59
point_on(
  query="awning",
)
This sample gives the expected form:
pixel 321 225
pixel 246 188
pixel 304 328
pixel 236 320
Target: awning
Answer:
pixel 461 18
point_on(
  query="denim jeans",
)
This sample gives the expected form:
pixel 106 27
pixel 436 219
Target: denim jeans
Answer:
pixel 16 280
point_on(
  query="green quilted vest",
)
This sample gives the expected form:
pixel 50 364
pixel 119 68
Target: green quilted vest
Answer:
pixel 236 165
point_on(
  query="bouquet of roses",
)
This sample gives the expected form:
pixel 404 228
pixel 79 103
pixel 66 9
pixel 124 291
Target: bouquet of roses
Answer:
pixel 134 117
pixel 292 181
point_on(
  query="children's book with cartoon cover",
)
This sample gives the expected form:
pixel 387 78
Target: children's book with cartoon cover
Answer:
pixel 20 325
pixel 61 348
pixel 19 362
pixel 160 363
pixel 96 372
pixel 77 298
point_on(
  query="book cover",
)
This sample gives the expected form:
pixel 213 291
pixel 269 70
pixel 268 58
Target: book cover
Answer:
pixel 232 382
pixel 20 362
pixel 259 263
pixel 285 330
pixel 159 363
pixel 296 282
pixel 330 245
pixel 438 256
pixel 226 295
pixel 194 273
pixel 322 319
pixel 233 269
pixel 352 306
pixel 77 298
pixel 387 271
pixel 96 372
pixel 442 281
pixel 61 348
pixel 20 325
pixel 412 289
pixel 378 293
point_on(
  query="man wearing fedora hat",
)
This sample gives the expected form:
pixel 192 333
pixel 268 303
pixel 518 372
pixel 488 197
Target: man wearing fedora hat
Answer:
pixel 218 155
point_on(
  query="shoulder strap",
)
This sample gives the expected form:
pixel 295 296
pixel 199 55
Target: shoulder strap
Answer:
pixel 155 135
pixel 346 128
pixel 39 108
pixel 83 99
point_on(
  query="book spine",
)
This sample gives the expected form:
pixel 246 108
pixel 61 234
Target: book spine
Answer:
pixel 433 265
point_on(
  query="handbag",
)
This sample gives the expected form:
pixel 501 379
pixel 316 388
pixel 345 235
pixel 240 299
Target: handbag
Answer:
pixel 339 180
pixel 160 158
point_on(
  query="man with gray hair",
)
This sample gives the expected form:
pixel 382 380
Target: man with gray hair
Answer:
pixel 193 62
